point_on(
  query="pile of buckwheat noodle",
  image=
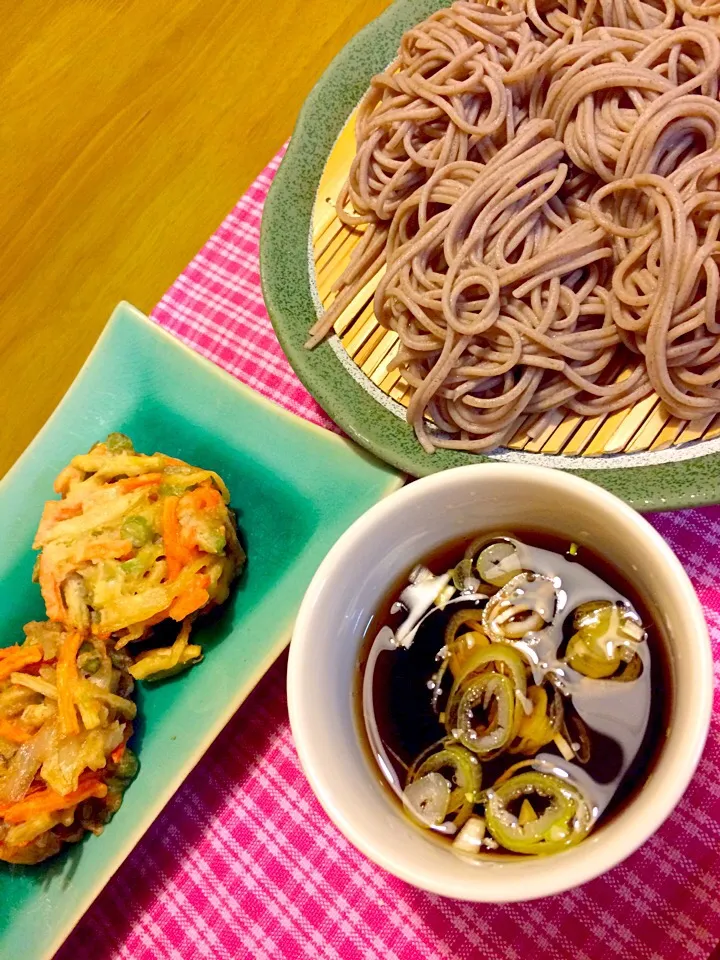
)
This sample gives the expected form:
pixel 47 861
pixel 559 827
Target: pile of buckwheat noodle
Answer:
pixel 542 186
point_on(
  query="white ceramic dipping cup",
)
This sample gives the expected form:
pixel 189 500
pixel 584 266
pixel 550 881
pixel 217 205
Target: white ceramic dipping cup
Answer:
pixel 353 581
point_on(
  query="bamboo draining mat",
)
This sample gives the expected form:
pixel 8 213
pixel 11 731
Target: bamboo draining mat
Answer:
pixel 645 426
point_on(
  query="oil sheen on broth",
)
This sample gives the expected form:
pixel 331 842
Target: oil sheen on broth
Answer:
pixel 512 693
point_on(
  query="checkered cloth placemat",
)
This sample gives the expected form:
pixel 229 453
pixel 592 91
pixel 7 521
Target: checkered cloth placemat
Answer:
pixel 244 863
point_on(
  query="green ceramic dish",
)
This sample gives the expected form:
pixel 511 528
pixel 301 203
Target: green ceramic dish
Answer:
pixel 684 476
pixel 296 488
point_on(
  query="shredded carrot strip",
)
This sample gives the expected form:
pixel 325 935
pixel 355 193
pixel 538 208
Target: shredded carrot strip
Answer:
pixel 134 483
pixel 12 732
pixel 67 675
pixel 203 498
pixel 176 554
pixel 51 592
pixel 30 653
pixel 49 801
pixel 10 651
pixel 192 599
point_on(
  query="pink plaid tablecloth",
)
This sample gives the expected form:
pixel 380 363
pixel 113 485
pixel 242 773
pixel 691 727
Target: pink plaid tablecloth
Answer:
pixel 244 863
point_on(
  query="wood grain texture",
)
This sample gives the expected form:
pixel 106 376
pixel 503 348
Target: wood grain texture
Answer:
pixel 128 129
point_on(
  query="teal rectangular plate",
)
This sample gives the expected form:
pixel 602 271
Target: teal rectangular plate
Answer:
pixel 295 487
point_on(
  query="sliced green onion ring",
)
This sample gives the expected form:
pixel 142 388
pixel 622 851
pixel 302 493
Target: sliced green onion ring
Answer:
pixel 469 616
pixel 538 727
pixel 525 604
pixel 479 543
pixel 489 689
pixel 463 579
pixel 483 657
pixel 459 646
pixel 498 563
pixel 564 822
pixel 480 682
pixel 607 634
pixel 466 779
pixel 427 799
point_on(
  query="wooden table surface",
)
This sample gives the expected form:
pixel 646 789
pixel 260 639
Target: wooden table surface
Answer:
pixel 128 129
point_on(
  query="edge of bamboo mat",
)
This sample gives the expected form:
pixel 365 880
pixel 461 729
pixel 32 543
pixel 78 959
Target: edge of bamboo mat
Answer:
pixel 646 426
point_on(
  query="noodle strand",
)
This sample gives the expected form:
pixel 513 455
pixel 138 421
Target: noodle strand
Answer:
pixel 541 187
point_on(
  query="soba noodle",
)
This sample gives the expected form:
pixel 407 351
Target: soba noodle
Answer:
pixel 540 186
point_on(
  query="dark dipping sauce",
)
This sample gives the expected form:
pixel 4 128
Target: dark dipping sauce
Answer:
pixel 409 723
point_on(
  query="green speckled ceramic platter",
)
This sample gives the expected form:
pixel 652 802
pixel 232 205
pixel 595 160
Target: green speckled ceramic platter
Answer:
pixel 683 475
pixel 295 488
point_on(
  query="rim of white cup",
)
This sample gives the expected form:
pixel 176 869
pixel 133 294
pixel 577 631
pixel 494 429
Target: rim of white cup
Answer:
pixel 632 826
